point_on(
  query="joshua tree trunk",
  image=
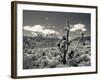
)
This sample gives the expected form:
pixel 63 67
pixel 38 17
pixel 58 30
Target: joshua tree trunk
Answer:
pixel 77 43
pixel 64 43
pixel 82 36
pixel 67 43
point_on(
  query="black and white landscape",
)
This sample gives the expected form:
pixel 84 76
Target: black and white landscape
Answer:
pixel 56 39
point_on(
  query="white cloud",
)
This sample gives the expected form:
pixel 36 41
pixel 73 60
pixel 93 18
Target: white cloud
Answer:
pixel 83 29
pixel 34 28
pixel 77 27
pixel 39 28
pixel 34 34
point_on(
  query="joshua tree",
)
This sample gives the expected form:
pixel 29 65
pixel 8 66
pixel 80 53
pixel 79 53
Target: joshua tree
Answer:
pixel 64 43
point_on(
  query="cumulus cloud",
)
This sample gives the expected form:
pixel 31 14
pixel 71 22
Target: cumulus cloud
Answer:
pixel 39 28
pixel 34 34
pixel 34 28
pixel 83 29
pixel 77 27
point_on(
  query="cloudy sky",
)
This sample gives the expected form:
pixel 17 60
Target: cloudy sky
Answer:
pixel 54 22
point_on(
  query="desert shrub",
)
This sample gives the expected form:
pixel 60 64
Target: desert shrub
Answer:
pixel 72 62
pixel 84 57
pixel 27 63
pixel 84 63
pixel 50 57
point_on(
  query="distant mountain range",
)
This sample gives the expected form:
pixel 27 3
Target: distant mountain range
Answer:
pixel 84 38
pixel 47 41
pixel 42 35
